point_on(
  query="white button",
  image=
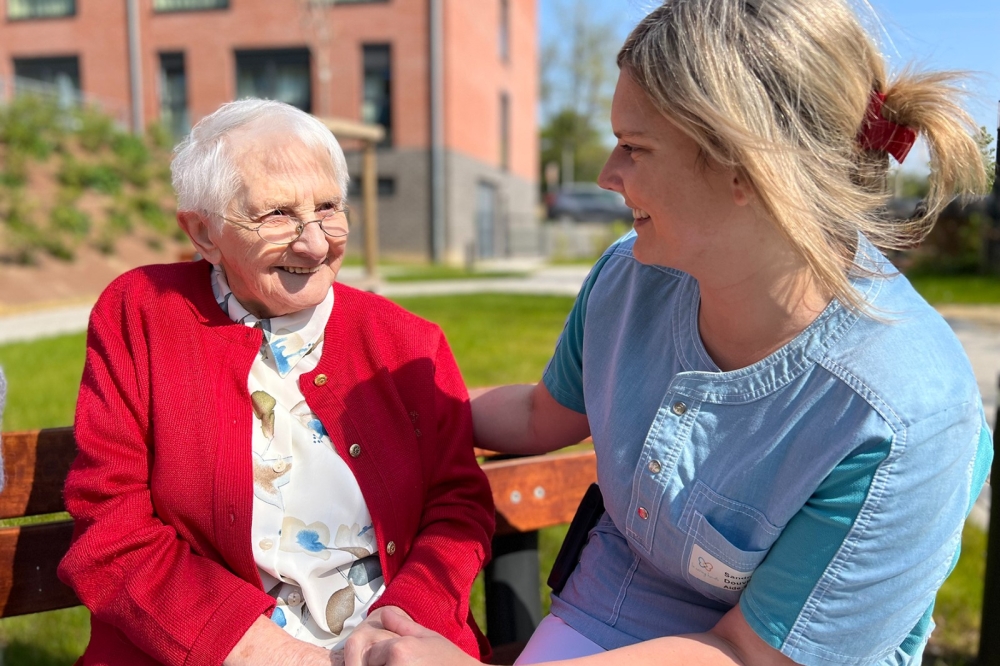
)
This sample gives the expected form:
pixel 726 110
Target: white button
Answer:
pixel 679 408
pixel 294 598
pixel 266 544
pixel 279 466
pixel 654 466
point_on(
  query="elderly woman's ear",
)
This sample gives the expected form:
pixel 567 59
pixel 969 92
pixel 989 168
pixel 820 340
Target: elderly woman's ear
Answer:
pixel 197 226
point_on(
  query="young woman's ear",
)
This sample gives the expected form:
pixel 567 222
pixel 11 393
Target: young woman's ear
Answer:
pixel 742 192
pixel 196 226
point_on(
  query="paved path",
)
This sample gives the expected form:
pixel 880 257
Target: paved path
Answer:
pixel 977 327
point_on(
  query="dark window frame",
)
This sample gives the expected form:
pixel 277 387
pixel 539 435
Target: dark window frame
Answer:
pixel 367 66
pixel 170 62
pixel 210 6
pixel 42 17
pixel 277 57
pixel 53 61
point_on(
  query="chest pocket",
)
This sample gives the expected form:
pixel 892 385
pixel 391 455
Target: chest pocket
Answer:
pixel 726 541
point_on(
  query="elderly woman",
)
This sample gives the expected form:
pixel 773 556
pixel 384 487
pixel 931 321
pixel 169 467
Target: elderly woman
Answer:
pixel 788 436
pixel 267 460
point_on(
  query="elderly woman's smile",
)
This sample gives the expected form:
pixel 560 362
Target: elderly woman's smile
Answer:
pixel 279 179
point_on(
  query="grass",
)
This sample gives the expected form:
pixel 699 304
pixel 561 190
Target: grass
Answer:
pixel 958 289
pixel 43 377
pixel 423 273
pixel 496 339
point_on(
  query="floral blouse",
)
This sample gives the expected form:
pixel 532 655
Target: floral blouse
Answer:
pixel 313 539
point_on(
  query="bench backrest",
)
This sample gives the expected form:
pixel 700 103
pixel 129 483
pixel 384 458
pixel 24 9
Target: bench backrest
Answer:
pixel 530 493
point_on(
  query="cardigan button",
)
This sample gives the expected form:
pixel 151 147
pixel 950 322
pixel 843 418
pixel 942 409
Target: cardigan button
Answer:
pixel 390 548
pixel 355 450
pixel 319 380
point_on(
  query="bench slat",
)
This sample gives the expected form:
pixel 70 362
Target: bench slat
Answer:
pixel 28 558
pixel 539 491
pixel 36 463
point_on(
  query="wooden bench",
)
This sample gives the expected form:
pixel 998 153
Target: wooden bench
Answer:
pixel 530 493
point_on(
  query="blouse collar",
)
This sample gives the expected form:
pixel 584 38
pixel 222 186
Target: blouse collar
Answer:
pixel 288 338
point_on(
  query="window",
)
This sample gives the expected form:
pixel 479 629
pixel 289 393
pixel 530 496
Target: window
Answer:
pixel 173 94
pixel 281 74
pixel 504 131
pixel 486 211
pixel 58 76
pixel 376 106
pixel 32 9
pixel 504 36
pixel 386 187
pixel 188 5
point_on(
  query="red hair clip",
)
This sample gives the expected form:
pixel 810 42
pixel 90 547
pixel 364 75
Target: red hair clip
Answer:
pixel 879 134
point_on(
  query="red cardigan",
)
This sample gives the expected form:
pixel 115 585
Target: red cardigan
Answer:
pixel 162 486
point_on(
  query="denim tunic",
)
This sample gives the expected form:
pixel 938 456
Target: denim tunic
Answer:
pixel 823 488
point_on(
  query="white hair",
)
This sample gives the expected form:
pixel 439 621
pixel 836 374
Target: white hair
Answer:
pixel 203 171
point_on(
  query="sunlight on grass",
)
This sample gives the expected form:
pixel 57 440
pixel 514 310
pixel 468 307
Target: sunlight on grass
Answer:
pixel 958 608
pixel 43 377
pixel 960 289
pixel 497 338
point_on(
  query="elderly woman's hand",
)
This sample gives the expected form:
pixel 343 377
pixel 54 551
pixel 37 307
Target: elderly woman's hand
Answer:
pixel 371 631
pixel 267 644
pixel 413 645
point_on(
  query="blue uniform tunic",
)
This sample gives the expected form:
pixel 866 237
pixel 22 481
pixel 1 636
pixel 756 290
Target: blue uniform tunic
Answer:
pixel 823 488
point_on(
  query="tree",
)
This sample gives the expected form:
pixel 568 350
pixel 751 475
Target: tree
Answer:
pixel 989 153
pixel 571 136
pixel 578 77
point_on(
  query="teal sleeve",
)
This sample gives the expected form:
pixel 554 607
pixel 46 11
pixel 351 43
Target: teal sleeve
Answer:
pixel 563 377
pixel 865 555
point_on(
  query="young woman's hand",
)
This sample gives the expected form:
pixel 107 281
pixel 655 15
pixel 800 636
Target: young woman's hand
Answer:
pixel 370 632
pixel 413 645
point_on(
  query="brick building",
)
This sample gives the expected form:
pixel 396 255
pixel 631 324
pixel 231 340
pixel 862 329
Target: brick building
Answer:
pixel 454 82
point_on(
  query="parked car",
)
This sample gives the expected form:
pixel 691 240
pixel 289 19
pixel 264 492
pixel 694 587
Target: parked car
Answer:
pixel 586 202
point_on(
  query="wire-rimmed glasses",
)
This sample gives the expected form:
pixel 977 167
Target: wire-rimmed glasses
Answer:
pixel 286 229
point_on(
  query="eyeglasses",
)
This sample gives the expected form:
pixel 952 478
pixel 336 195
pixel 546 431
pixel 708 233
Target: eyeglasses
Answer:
pixel 285 229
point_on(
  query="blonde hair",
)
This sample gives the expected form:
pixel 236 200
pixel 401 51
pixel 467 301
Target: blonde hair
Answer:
pixel 778 90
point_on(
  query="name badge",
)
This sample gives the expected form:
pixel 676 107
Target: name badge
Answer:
pixel 711 570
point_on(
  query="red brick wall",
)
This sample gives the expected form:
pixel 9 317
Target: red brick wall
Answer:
pixel 475 75
pixel 96 35
pixel 474 72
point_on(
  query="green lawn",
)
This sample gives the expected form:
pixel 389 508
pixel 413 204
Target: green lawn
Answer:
pixel 496 339
pixel 959 289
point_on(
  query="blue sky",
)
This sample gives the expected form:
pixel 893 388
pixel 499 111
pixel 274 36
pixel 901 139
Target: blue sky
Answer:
pixel 936 34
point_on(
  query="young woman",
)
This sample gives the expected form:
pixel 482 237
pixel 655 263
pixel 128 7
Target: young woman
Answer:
pixel 788 436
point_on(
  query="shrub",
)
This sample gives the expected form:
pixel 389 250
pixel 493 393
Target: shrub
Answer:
pixel 96 130
pixel 151 213
pixel 31 124
pixel 133 159
pixel 15 168
pixel 69 220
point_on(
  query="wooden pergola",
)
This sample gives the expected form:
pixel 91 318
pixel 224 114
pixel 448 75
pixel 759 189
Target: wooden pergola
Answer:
pixel 369 136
